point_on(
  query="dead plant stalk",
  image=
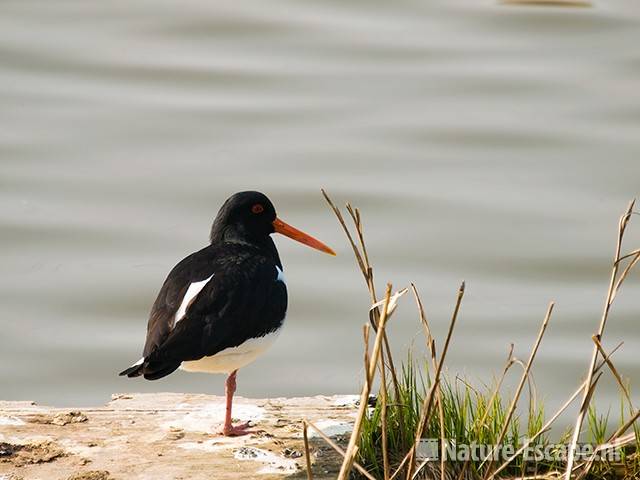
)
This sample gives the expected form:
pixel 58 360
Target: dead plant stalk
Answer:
pixel 351 451
pixel 611 293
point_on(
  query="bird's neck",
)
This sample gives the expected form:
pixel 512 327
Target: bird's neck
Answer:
pixel 237 234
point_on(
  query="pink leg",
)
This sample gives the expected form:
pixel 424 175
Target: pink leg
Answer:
pixel 229 430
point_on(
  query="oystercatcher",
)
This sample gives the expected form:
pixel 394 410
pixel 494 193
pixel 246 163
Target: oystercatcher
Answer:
pixel 223 306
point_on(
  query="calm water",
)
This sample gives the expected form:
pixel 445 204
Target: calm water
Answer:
pixel 482 142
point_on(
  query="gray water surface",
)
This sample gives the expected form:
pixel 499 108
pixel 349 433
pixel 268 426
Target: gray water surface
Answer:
pixel 484 142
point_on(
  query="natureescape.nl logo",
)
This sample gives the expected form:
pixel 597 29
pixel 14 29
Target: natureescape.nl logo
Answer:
pixel 430 449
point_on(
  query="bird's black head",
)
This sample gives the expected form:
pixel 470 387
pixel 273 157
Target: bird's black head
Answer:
pixel 250 217
pixel 245 216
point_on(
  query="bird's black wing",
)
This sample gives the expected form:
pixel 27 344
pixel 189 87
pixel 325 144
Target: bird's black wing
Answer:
pixel 194 268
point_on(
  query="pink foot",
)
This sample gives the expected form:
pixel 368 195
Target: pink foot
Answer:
pixel 237 431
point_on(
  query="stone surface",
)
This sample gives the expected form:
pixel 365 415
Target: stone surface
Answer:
pixel 169 436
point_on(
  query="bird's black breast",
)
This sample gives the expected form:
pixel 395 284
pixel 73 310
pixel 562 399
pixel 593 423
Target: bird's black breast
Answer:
pixel 244 300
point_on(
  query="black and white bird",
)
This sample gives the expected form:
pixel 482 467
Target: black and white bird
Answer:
pixel 222 307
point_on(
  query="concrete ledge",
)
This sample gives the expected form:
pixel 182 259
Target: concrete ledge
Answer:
pixel 169 436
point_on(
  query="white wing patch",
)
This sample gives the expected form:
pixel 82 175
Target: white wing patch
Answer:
pixel 194 289
pixel 280 277
pixel 138 363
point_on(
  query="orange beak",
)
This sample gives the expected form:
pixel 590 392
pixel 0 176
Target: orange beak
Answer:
pixel 292 232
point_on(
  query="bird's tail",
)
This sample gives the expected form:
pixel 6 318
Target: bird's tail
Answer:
pixel 134 370
pixel 152 370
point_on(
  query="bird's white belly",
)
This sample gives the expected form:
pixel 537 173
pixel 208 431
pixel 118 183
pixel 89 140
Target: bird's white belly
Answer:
pixel 233 358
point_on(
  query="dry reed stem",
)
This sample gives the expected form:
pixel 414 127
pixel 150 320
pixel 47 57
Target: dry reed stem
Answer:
pixel 383 419
pixel 589 395
pixel 615 373
pixel 442 432
pixel 431 345
pixel 543 429
pixel 307 454
pixel 617 433
pixel 355 216
pixel 628 255
pixel 365 334
pixel 508 364
pixel 623 428
pixel 420 467
pixel 613 286
pixel 362 257
pixel 530 384
pixel 523 379
pixel 624 274
pixel 389 306
pixel 400 467
pixel 338 450
pixel 586 465
pixel 623 441
pixel 620 431
pixel 368 274
pixel 554 475
pixel 364 397
pixel 428 401
pixel 338 214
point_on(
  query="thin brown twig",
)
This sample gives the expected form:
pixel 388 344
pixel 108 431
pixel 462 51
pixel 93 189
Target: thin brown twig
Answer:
pixel 337 213
pixel 623 428
pixel 560 411
pixel 428 401
pixel 516 396
pixel 624 274
pixel 307 455
pixel 339 450
pixel 362 257
pixel 588 397
pixel 614 371
pixel 400 467
pixel 368 275
pixel 364 396
pixel 544 428
pixel 494 395
pixel 365 333
pixel 355 216
pixel 383 418
pixel 434 363
pixel 622 225
pixel 586 465
pixel 628 255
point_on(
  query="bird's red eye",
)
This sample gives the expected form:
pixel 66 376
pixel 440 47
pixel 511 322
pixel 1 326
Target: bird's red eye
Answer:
pixel 257 208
